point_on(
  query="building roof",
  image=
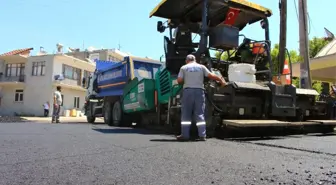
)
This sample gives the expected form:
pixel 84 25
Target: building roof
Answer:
pixel 16 52
pixel 329 49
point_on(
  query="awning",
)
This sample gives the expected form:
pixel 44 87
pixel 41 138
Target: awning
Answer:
pixel 321 68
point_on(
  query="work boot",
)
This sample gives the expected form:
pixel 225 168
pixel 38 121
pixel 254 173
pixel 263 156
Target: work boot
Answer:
pixel 202 139
pixel 181 138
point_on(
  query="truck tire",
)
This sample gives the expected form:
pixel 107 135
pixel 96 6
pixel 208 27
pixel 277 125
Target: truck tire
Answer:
pixel 117 114
pixel 91 119
pixel 108 119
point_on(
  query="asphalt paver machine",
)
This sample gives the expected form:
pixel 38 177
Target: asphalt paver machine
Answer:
pixel 254 103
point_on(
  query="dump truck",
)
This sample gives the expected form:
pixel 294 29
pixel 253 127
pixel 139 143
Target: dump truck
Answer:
pixel 251 100
pixel 110 90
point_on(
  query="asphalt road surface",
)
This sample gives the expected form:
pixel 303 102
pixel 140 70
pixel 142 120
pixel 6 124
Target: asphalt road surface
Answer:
pixel 44 153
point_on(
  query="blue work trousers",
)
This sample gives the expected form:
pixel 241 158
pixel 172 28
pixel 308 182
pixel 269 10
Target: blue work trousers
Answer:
pixel 193 104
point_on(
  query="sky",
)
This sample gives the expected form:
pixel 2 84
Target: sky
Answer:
pixel 110 23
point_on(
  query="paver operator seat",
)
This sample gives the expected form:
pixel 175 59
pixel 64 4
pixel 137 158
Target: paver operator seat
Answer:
pixel 177 48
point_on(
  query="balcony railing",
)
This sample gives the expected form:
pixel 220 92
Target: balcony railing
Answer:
pixel 20 78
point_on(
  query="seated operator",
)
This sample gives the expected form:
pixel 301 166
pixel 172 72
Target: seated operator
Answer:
pixel 192 75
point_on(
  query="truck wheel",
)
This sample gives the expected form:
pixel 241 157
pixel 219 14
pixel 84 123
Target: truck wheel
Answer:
pixel 108 114
pixel 91 119
pixel 117 114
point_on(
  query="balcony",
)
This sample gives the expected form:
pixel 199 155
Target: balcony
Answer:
pixel 70 83
pixel 12 79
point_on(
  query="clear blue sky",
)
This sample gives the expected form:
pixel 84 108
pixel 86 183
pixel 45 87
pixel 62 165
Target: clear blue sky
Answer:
pixel 106 23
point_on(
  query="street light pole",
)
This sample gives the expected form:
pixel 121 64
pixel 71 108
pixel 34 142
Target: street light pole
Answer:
pixel 305 78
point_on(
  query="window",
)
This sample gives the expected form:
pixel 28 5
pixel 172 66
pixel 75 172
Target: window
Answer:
pixel 71 72
pixel 142 72
pixel 38 68
pixel 15 69
pixel 18 95
pixel 86 77
pixel 76 102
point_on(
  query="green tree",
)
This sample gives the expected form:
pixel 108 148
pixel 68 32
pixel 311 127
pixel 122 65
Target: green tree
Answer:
pixel 315 45
pixel 223 56
pixel 294 57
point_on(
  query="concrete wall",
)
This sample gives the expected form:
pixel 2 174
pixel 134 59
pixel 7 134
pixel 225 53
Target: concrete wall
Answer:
pixel 70 89
pixel 7 105
pixel 40 89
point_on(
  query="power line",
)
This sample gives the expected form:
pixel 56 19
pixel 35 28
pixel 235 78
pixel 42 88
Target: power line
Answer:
pixel 309 23
pixel 308 15
pixel 296 10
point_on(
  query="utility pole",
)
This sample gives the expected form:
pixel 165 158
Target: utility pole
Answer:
pixel 283 35
pixel 305 78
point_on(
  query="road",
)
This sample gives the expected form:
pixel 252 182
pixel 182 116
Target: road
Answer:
pixel 44 153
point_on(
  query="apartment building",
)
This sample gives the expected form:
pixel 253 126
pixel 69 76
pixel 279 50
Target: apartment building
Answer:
pixel 27 82
pixel 98 54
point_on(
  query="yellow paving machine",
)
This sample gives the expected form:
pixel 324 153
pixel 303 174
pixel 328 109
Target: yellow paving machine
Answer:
pixel 252 100
pixel 146 93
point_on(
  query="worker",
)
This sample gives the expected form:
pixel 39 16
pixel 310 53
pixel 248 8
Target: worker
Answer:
pixel 57 104
pixel 192 75
pixel 46 107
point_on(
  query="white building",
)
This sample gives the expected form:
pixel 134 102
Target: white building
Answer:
pixel 27 82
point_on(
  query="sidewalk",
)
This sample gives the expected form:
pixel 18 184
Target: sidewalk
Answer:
pixel 62 119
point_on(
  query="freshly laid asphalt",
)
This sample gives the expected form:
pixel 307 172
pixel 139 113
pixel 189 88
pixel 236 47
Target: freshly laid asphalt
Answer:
pixel 44 153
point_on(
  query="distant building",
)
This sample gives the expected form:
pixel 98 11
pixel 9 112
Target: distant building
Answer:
pixel 100 54
pixel 27 82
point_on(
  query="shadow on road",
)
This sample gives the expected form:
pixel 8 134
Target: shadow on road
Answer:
pixel 126 131
pixel 323 135
pixel 254 138
pixel 172 140
pixel 164 140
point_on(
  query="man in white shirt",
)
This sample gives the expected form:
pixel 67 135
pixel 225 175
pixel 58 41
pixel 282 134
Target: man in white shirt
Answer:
pixel 57 104
pixel 46 109
pixel 192 75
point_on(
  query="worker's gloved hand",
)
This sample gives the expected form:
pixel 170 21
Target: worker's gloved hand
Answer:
pixel 223 82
